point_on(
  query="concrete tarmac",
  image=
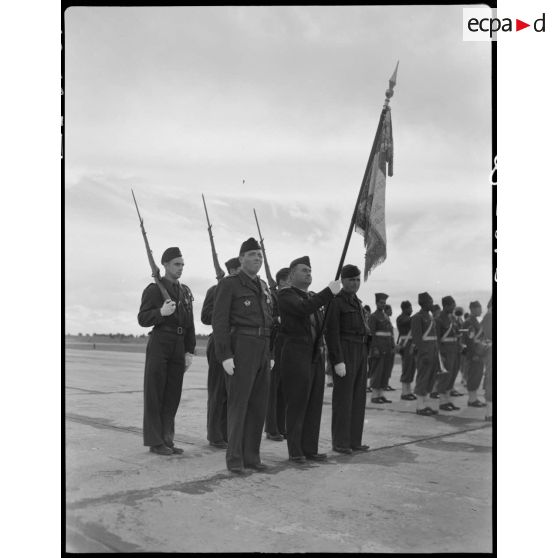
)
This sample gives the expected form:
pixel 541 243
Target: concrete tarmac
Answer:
pixel 425 486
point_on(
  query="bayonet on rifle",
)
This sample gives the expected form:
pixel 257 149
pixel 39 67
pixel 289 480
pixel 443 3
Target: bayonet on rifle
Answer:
pixel 219 272
pixel 270 280
pixel 155 272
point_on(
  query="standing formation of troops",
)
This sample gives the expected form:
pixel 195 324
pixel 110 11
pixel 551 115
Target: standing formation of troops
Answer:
pixel 269 352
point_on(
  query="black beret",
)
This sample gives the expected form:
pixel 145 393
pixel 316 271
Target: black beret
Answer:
pixel 305 260
pixel 283 273
pixel 447 300
pixel 406 304
pixel 233 263
pixel 474 304
pixel 170 253
pixel 381 296
pixel 366 307
pixel 349 271
pixel 250 244
pixel 424 298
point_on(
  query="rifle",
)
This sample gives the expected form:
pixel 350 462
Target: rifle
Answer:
pixel 270 280
pixel 220 273
pixel 155 273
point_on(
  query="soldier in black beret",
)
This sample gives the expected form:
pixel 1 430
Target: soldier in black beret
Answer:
pixel 405 348
pixel 216 388
pixel 347 338
pixel 381 349
pixel 449 347
pixel 242 320
pixel 169 352
pixel 423 331
pixel 475 353
pixel 302 368
pixel 275 421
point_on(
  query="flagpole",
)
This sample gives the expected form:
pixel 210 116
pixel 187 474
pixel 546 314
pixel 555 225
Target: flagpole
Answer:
pixel 389 95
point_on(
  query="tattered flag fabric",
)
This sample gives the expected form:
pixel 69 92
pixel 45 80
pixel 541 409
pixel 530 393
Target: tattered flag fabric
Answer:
pixel 370 217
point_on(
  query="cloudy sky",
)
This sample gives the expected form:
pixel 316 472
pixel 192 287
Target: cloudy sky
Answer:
pixel 176 102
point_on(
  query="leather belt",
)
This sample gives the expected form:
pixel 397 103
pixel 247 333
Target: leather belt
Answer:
pixel 449 340
pixel 382 333
pixel 169 329
pixel 430 338
pixel 255 331
pixel 354 338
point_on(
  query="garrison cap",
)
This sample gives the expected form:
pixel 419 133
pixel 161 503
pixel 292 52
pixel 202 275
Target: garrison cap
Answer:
pixel 349 271
pixel 474 304
pixel 170 253
pixel 447 300
pixel 381 296
pixel 250 244
pixel 406 304
pixel 305 260
pixel 283 273
pixel 424 298
pixel 233 263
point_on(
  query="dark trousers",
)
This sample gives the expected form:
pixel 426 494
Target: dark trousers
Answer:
pixel 450 355
pixel 380 365
pixel 408 364
pixel 488 376
pixel 162 386
pixel 275 418
pixel 247 391
pixel 427 368
pixel 349 397
pixel 216 397
pixel 390 360
pixel 303 386
pixel 475 369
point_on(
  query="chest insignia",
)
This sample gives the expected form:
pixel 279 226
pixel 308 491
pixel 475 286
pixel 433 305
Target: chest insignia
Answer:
pixel 247 303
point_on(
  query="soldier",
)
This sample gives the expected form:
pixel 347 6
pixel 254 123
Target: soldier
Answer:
pixel 391 357
pixel 458 314
pixel 302 367
pixel 216 389
pixel 275 426
pixel 406 349
pixel 242 319
pixel 423 331
pixel 486 324
pixel 475 353
pixel 169 353
pixel 380 349
pixel 347 339
pixel 450 350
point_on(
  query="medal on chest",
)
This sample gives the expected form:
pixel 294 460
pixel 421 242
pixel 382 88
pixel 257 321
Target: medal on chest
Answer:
pixel 247 303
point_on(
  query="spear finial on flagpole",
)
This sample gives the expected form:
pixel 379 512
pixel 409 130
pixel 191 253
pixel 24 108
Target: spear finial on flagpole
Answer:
pixel 392 81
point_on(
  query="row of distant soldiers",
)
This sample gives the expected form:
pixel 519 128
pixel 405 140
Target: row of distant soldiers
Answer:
pixel 268 351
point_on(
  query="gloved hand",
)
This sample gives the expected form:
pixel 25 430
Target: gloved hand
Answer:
pixel 169 306
pixel 271 363
pixel 340 369
pixel 228 365
pixel 188 357
pixel 335 286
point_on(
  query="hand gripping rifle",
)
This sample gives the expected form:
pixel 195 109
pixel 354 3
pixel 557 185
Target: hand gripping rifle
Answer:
pixel 155 273
pixel 270 280
pixel 220 273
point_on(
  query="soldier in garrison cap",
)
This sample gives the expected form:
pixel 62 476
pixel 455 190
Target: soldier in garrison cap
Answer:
pixel 242 319
pixel 450 349
pixel 381 348
pixel 275 424
pixel 347 338
pixel 302 368
pixel 216 388
pixel 475 353
pixel 391 356
pixel 486 324
pixel 423 331
pixel 406 350
pixel 169 353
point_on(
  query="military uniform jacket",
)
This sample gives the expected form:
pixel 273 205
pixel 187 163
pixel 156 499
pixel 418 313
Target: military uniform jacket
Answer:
pixel 207 308
pixel 403 323
pixel 150 314
pixel 345 321
pixel 379 323
pixel 239 302
pixel 474 338
pixel 447 328
pixel 423 325
pixel 295 309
